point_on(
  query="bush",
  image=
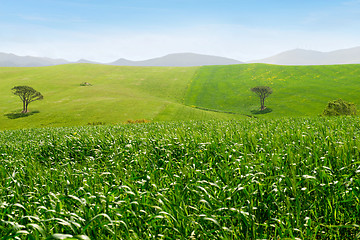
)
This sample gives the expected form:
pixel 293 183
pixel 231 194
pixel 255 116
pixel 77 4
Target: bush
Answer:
pixel 137 121
pixel 339 107
pixel 96 123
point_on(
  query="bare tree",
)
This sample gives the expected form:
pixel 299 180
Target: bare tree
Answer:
pixel 27 95
pixel 263 92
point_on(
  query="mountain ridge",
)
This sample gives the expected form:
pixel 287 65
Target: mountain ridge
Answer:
pixel 170 60
pixel 291 57
pixel 12 60
pixel 312 57
pixel 179 60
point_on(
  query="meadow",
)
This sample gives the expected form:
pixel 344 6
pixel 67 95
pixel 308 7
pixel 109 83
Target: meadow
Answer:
pixel 298 91
pixel 206 165
pixel 119 94
pixel 293 178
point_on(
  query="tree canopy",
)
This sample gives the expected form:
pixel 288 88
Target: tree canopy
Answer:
pixel 27 95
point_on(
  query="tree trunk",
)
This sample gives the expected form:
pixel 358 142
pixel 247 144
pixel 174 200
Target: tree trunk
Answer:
pixel 262 102
pixel 24 107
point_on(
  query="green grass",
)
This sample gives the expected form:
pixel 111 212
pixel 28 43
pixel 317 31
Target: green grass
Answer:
pixel 249 179
pixel 264 178
pixel 117 94
pixel 297 90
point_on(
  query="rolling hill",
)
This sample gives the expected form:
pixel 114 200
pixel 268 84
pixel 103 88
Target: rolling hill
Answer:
pixel 121 93
pixel 117 94
pixel 297 90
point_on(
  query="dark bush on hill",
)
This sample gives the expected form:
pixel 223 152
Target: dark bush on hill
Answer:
pixel 96 123
pixel 137 121
pixel 339 107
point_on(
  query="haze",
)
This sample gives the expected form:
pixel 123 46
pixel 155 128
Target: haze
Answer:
pixel 140 29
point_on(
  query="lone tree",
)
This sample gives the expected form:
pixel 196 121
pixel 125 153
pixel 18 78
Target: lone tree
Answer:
pixel 263 92
pixel 27 95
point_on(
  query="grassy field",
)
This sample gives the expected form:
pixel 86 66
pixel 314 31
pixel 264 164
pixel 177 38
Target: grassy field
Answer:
pixel 119 94
pixel 270 177
pixel 298 90
pixel 247 179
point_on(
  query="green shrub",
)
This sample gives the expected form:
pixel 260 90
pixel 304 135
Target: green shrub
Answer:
pixel 85 84
pixel 339 107
pixel 96 123
pixel 137 121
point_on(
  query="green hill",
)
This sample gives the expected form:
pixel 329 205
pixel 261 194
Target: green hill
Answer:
pixel 117 94
pixel 297 90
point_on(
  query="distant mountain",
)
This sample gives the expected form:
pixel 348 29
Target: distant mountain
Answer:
pixel 292 57
pixel 11 60
pixel 125 62
pixel 86 61
pixel 176 60
pixel 310 57
pixel 179 60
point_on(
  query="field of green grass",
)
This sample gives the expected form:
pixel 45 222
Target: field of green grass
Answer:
pixel 120 93
pixel 297 90
pixel 244 179
pixel 286 174
pixel 117 94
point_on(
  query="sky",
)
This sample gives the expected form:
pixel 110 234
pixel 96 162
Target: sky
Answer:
pixel 106 30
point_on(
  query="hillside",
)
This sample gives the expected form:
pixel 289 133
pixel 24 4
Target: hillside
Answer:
pixel 117 94
pixel 297 90
pixel 125 93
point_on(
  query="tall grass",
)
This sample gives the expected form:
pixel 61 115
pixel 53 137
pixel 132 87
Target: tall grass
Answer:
pixel 254 179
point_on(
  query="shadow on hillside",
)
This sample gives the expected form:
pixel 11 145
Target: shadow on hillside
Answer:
pixel 15 115
pixel 266 110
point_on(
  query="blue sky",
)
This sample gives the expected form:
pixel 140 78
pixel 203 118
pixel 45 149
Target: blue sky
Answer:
pixel 105 30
